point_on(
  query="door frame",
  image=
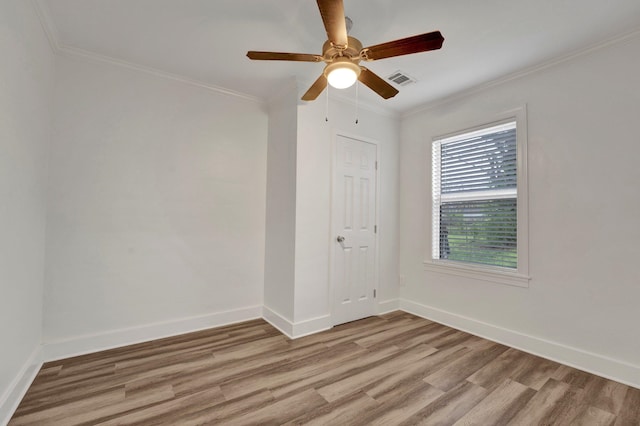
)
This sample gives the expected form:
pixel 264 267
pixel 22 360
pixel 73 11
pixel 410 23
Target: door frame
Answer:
pixel 332 235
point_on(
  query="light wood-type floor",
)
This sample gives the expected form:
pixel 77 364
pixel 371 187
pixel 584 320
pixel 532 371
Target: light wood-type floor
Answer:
pixel 394 369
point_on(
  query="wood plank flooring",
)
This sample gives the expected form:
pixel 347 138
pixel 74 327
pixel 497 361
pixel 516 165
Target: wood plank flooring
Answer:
pixel 396 369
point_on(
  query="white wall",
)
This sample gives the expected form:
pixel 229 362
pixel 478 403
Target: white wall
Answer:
pixel 156 202
pixel 313 200
pixel 281 208
pixel 584 206
pixel 26 83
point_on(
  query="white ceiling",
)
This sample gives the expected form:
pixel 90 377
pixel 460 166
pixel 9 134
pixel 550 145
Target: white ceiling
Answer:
pixel 206 40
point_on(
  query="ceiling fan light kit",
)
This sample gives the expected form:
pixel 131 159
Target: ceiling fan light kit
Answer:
pixel 343 54
pixel 342 73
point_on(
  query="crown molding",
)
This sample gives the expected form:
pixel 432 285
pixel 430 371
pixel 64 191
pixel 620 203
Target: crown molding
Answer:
pixel 58 48
pixel 65 50
pixel 49 28
pixel 51 32
pixel 619 39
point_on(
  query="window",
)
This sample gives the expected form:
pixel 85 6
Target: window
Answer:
pixel 479 201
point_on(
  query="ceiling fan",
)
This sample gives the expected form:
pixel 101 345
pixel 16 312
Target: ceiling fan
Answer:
pixel 343 54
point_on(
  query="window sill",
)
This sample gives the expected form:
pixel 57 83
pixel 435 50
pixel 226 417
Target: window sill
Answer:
pixel 477 273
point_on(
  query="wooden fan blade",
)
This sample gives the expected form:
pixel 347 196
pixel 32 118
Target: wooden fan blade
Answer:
pixel 332 12
pixel 405 46
pixel 316 88
pixel 375 83
pixel 279 56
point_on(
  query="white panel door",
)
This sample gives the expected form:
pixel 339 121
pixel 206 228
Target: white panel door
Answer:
pixel 354 222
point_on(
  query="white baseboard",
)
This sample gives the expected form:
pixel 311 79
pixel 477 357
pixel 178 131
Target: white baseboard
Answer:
pixel 311 326
pixel 600 365
pixel 278 321
pixel 16 390
pixel 387 306
pixel 295 330
pixel 80 345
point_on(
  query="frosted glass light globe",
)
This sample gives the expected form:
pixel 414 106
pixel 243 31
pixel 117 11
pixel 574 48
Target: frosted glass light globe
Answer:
pixel 342 73
pixel 341 78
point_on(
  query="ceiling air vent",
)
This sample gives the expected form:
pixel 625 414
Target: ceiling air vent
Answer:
pixel 401 78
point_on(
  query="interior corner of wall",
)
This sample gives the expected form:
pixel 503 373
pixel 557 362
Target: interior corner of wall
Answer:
pixel 280 322
pixel 10 398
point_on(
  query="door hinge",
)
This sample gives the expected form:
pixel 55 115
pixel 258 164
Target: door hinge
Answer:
pixel 376 165
pixel 375 229
pixel 374 293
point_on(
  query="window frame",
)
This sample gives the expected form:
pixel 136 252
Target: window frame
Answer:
pixel 516 277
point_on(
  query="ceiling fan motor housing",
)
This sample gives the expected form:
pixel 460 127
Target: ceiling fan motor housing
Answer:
pixel 352 51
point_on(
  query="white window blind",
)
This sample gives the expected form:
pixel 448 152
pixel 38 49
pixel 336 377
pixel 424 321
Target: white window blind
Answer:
pixel 475 195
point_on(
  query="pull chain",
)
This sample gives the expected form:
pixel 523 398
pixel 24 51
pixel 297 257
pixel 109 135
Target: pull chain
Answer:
pixel 357 101
pixel 326 110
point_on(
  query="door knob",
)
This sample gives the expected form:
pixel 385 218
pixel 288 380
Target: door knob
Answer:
pixel 340 238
